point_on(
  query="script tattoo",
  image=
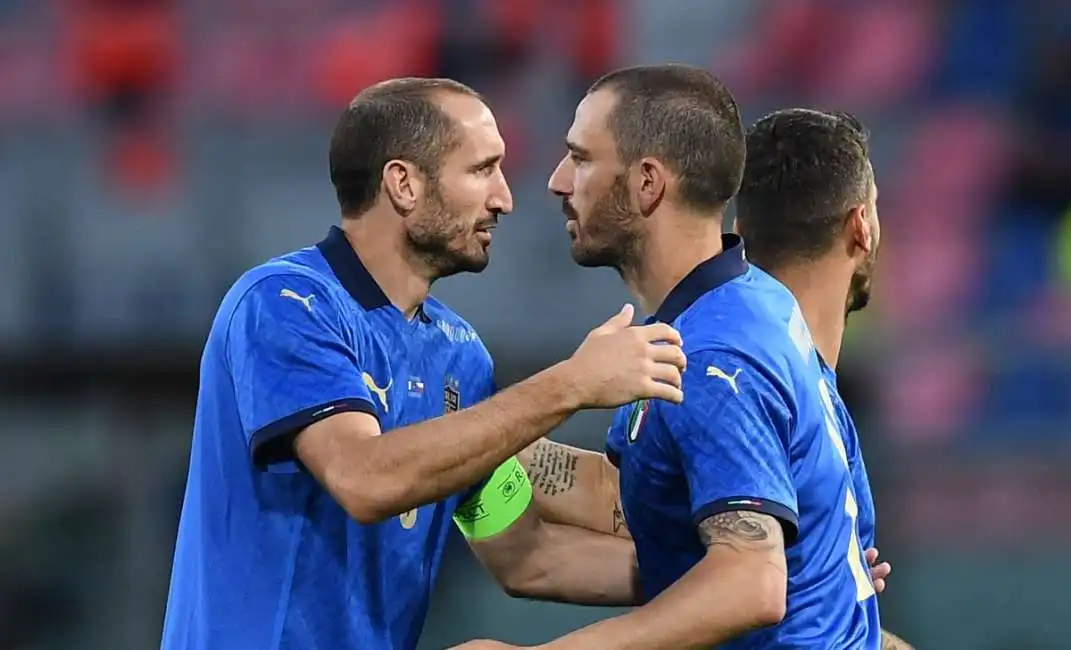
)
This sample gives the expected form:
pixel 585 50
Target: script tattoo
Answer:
pixel 553 468
pixel 619 518
pixel 741 530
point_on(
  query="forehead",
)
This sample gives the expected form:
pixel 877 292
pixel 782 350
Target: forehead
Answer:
pixel 474 124
pixel 590 128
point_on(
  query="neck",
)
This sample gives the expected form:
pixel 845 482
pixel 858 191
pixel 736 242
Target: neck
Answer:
pixel 821 301
pixel 387 259
pixel 675 245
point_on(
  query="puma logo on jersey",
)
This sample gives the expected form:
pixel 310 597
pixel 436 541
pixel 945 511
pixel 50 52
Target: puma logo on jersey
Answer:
pixel 381 393
pixel 714 371
pixel 293 295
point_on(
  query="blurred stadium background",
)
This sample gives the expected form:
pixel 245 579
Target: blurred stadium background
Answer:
pixel 151 150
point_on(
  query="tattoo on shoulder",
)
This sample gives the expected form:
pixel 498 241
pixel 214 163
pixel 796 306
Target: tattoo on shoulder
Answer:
pixel 552 469
pixel 741 530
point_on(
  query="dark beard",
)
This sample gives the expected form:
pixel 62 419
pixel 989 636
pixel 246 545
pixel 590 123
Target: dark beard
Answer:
pixel 431 240
pixel 859 289
pixel 610 236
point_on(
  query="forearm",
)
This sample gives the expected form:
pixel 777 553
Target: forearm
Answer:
pixel 890 641
pixel 578 566
pixel 575 487
pixel 739 585
pixel 376 477
pixel 704 608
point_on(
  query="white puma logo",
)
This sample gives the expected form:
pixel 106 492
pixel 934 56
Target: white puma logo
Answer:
pixel 714 371
pixel 293 295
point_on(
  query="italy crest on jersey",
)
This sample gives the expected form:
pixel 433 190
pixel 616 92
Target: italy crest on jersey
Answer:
pixel 451 396
pixel 636 418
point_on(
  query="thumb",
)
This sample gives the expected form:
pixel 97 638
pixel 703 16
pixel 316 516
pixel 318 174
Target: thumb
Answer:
pixel 620 320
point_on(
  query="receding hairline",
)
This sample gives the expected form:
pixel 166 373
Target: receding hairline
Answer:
pixel 426 87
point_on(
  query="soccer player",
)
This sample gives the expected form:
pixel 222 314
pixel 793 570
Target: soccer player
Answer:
pixel 343 414
pixel 808 187
pixel 740 499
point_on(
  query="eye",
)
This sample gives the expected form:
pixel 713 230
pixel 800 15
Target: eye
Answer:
pixel 576 158
pixel 487 169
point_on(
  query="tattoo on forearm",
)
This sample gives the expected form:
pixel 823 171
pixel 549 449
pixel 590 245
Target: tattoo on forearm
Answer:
pixel 890 641
pixel 619 518
pixel 553 468
pixel 741 530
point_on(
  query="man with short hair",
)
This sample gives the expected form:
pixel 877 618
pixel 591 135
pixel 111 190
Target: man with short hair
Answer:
pixel 345 416
pixel 740 499
pixel 808 210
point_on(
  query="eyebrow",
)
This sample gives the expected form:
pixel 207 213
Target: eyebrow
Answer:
pixel 577 149
pixel 487 162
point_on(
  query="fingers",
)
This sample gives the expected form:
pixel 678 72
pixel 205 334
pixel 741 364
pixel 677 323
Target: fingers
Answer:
pixel 618 321
pixel 660 390
pixel 667 374
pixel 661 332
pixel 670 355
pixel 880 571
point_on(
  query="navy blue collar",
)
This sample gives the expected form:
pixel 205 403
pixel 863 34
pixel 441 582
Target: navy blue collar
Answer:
pixel 727 265
pixel 347 266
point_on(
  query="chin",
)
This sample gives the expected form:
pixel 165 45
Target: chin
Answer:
pixel 585 256
pixel 473 263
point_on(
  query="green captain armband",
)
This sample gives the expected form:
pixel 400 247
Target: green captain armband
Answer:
pixel 499 503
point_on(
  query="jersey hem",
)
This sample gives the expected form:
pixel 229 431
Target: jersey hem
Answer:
pixel 274 443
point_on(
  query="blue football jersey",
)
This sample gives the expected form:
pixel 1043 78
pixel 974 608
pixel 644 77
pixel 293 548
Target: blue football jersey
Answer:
pixel 756 431
pixel 860 480
pixel 265 557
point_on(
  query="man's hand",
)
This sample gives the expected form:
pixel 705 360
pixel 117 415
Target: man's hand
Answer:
pixel 878 572
pixel 618 363
pixel 485 644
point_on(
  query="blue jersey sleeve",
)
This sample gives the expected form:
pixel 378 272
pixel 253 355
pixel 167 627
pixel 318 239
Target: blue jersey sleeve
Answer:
pixel 865 499
pixel 732 434
pixel 293 363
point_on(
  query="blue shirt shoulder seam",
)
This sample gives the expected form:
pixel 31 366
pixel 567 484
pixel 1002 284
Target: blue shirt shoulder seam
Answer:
pixel 252 285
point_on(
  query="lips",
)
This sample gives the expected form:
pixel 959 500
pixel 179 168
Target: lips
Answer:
pixel 570 213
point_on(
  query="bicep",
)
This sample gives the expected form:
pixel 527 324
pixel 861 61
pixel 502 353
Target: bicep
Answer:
pixel 326 447
pixel 291 365
pixel 742 531
pixel 731 439
pixel 753 544
pixel 499 552
pixel 574 487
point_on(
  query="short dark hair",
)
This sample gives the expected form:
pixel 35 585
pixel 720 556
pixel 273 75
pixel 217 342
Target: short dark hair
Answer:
pixel 685 117
pixel 394 119
pixel 805 169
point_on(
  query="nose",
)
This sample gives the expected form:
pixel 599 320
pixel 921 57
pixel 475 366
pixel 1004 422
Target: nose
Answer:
pixel 561 180
pixel 501 199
